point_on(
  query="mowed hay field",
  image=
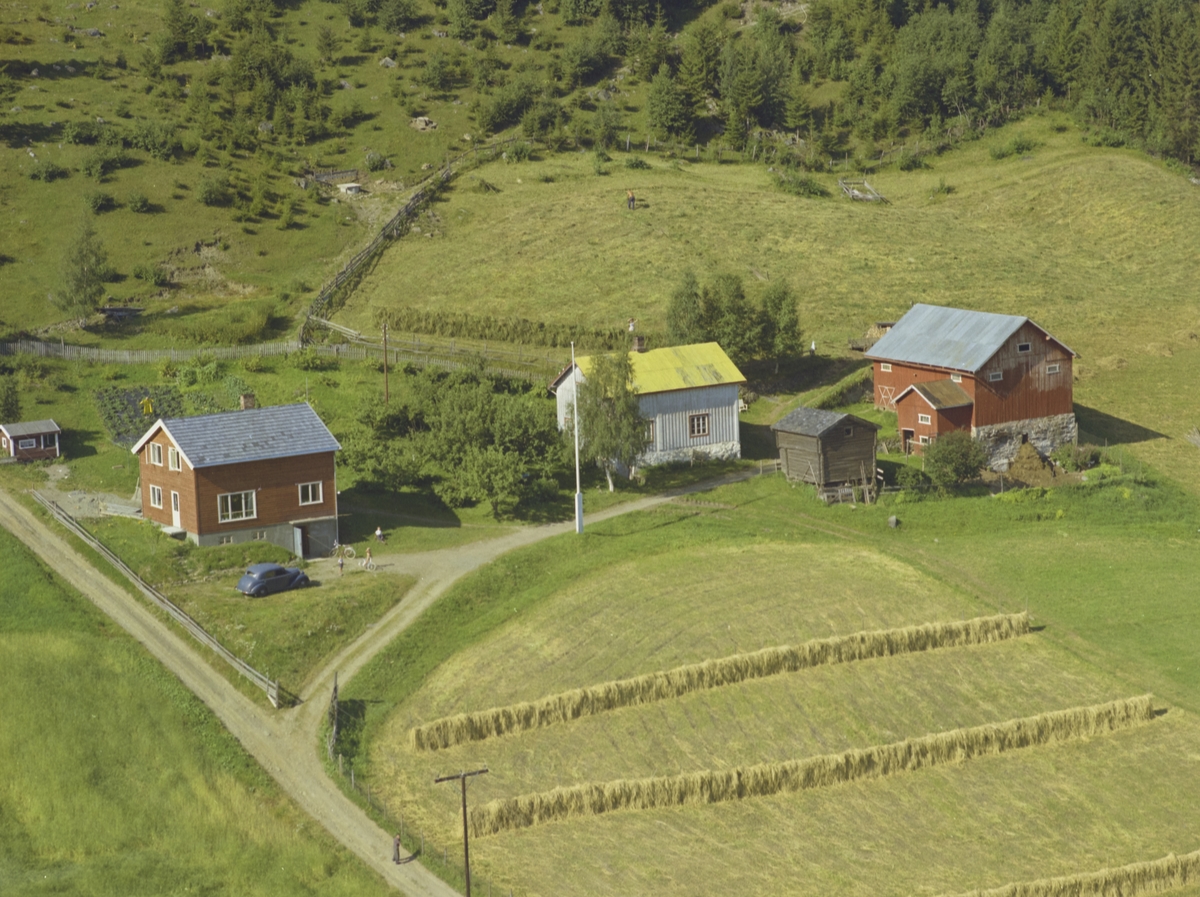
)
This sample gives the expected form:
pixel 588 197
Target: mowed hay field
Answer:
pixel 770 567
pixel 1095 244
pixel 117 781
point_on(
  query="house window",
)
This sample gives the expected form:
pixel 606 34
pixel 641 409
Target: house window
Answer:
pixel 924 440
pixel 923 419
pixel 849 431
pixel 885 367
pixel 50 440
pixel 310 493
pixel 3 442
pixel 225 540
pixel 173 462
pixel 27 443
pixel 697 425
pixel 156 496
pixel 1053 368
pixel 155 453
pixel 236 506
pixel 956 378
pixel 259 535
pixel 1023 347
pixel 994 376
pixel 650 433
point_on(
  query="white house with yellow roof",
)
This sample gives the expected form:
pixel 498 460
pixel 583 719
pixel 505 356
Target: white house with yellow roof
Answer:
pixel 687 394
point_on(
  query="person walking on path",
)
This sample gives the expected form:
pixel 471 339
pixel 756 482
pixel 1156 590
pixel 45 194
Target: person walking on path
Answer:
pixel 632 203
pixel 341 564
pixel 396 849
pixel 367 560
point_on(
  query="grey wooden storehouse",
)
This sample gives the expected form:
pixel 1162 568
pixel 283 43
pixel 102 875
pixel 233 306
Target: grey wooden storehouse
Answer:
pixel 826 447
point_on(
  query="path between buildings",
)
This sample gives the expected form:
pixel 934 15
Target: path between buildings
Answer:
pixel 284 742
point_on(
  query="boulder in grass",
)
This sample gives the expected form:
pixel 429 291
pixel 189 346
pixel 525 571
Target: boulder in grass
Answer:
pixel 387 62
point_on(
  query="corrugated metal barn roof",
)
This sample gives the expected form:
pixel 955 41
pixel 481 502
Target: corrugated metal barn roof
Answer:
pixel 946 337
pixel 816 422
pixel 31 428
pixel 256 434
pixel 676 367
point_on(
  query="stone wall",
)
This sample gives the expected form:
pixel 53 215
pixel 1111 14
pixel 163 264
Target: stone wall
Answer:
pixel 716 451
pixel 1002 441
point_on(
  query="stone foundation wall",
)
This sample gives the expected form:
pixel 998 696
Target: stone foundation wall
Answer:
pixel 1001 442
pixel 717 451
pixel 321 536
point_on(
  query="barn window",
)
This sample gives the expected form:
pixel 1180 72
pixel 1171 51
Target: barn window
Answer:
pixel 924 440
pixel 885 367
pixel 27 443
pixel 173 462
pixel 849 431
pixel 155 453
pixel 698 425
pixel 995 376
pixel 956 378
pixel 923 419
pixel 1053 368
pixel 1023 347
pixel 156 496
pixel 311 493
pixel 236 506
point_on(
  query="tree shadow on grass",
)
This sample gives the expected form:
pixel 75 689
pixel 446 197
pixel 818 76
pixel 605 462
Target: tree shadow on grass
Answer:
pixel 1097 427
pixel 79 443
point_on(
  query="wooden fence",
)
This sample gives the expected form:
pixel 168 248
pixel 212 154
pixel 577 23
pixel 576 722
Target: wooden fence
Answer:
pixel 143 356
pixel 194 629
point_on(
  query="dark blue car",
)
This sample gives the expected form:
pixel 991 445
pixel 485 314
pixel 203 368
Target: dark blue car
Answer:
pixel 263 579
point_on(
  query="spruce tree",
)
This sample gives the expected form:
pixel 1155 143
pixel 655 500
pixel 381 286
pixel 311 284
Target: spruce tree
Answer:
pixel 10 400
pixel 84 271
pixel 666 109
pixel 700 66
pixel 685 316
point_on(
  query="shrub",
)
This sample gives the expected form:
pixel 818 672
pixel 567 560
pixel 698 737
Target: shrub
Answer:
pixel 253 364
pixel 168 370
pixel 1074 458
pixel 912 162
pixel 799 184
pixel 954 458
pixel 909 477
pixel 636 163
pixel 102 161
pixel 156 138
pixel 98 201
pixel 506 106
pixel 1018 146
pixel 308 359
pixel 137 202
pixel 47 171
pixel 152 274
pixel 377 162
pixel 81 132
pixel 213 191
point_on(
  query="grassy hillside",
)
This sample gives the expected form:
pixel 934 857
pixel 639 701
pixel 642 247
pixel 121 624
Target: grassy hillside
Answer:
pixel 118 781
pixel 771 566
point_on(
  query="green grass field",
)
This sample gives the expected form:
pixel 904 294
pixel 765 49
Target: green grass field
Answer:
pixel 118 781
pixel 673 586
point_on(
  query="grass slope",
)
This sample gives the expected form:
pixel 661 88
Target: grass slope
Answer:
pixel 118 781
pixel 645 592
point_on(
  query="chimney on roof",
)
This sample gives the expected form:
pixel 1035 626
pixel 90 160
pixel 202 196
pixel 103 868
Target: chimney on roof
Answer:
pixel 246 401
pixel 639 344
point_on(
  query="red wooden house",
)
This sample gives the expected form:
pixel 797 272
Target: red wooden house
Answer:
pixel 34 440
pixel 1002 377
pixel 262 474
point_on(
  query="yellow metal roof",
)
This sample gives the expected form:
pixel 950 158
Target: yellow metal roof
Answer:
pixel 678 367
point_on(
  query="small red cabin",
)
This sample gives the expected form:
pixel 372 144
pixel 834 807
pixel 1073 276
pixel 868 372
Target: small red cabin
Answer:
pixel 35 440
pixel 1002 377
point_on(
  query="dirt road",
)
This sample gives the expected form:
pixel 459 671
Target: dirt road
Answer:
pixel 284 742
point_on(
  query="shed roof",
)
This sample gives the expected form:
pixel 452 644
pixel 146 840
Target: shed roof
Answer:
pixel 816 422
pixel 953 338
pixel 672 368
pixel 256 434
pixel 30 428
pixel 940 394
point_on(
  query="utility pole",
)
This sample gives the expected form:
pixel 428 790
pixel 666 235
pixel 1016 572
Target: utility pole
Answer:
pixel 385 379
pixel 462 777
pixel 575 419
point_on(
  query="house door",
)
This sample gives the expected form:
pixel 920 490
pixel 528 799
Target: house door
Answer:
pixel 175 509
pixel 907 437
pixel 300 541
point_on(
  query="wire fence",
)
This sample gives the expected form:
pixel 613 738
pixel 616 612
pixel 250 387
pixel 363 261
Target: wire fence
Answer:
pixel 274 693
pixel 144 356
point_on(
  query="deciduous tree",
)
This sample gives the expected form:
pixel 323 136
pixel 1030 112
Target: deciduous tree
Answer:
pixel 611 428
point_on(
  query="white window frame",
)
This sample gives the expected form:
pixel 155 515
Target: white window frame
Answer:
pixel 225 540
pixel 3 442
pixel 924 440
pixel 924 419
pixel 885 367
pixel 995 376
pixel 1024 347
pixel 319 500
pixel 699 425
pixel 49 440
pixel 30 443
pixel 155 454
pixel 1054 369
pixel 651 432
pixel 956 378
pixel 156 497
pixel 174 459
pixel 226 513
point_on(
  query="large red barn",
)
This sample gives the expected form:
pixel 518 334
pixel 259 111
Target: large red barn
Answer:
pixel 1002 377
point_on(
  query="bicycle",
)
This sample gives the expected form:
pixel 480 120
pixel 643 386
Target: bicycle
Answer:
pixel 367 563
pixel 344 551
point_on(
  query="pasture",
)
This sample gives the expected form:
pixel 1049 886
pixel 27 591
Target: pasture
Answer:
pixel 685 584
pixel 118 781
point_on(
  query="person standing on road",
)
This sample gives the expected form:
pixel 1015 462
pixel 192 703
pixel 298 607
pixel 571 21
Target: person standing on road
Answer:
pixel 630 201
pixel 396 849
pixel 378 534
pixel 367 559
pixel 341 564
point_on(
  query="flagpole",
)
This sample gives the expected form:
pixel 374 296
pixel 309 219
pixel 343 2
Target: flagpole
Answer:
pixel 575 418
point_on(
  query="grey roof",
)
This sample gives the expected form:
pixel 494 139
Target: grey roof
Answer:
pixel 30 428
pixel 256 434
pixel 947 337
pixel 815 422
